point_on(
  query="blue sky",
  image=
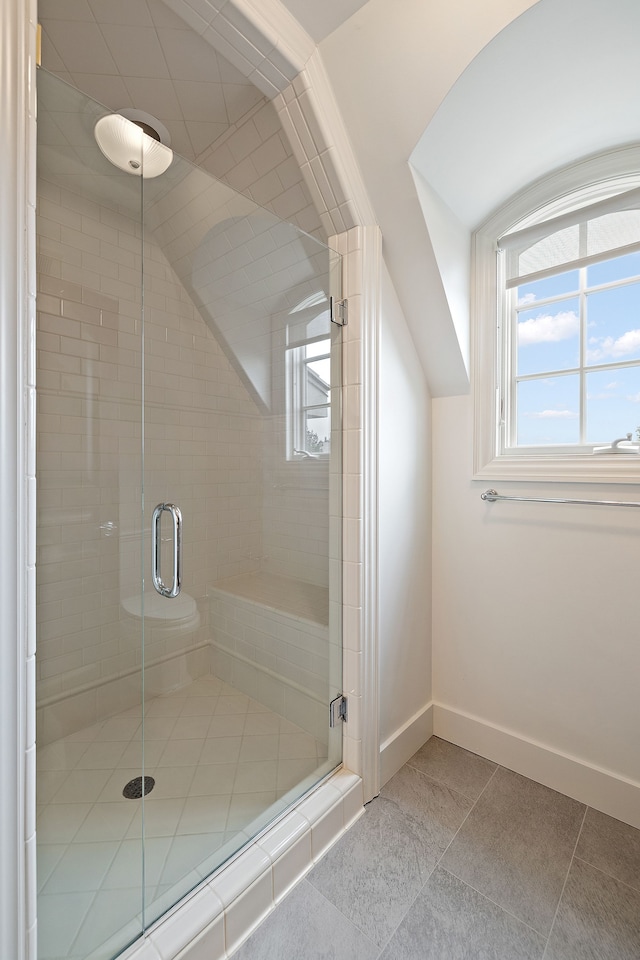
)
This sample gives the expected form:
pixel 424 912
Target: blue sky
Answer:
pixel 549 341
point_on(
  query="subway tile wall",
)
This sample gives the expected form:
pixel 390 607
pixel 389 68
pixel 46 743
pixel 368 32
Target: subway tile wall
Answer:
pixel 254 157
pixel 208 444
pixel 248 271
pixel 202 438
pixel 355 246
pixel 352 487
pixel 270 639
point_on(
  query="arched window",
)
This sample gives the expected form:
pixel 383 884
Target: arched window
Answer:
pixel 557 327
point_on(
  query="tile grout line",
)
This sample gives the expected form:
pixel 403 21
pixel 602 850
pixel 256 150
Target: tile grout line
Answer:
pixel 451 873
pixel 403 917
pixel 540 942
pixel 605 873
pixel 97 893
pixel 444 783
pixel 383 947
pixel 468 813
pixel 437 863
pixel 333 905
pixel 571 859
pixel 155 770
pixel 495 903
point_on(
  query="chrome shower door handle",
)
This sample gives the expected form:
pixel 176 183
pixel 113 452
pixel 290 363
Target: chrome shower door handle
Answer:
pixel 156 548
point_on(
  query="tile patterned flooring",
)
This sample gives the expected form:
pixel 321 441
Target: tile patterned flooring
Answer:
pixel 224 765
pixel 460 859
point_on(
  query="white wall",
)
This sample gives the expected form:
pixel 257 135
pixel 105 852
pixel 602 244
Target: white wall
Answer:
pixel 536 656
pixel 404 58
pixel 404 541
pixel 451 244
pixel 474 160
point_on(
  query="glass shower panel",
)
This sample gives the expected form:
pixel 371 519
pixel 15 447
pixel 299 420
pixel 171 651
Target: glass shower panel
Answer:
pixel 239 667
pixel 89 466
pixel 189 534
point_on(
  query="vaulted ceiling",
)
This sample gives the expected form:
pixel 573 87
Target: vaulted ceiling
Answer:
pixel 139 54
pixel 456 80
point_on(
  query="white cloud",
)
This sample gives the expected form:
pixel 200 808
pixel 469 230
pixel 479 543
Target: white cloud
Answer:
pixel 528 298
pixel 546 328
pixel 622 346
pixel 633 398
pixel 553 415
pixel 607 393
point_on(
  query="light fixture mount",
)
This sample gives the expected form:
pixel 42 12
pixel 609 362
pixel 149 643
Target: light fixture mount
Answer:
pixel 135 142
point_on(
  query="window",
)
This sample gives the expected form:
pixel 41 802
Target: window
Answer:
pixel 308 379
pixel 310 402
pixel 557 337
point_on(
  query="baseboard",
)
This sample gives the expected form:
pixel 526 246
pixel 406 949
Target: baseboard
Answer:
pixel 595 786
pixel 403 743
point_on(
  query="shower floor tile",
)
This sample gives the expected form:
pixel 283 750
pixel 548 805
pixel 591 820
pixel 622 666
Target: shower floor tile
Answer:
pixel 219 760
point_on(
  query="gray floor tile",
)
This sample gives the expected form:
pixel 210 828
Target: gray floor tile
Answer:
pixel 305 926
pixel 451 921
pixel 612 846
pixel 457 768
pixel 598 918
pixel 516 846
pixel 375 871
pixel 435 807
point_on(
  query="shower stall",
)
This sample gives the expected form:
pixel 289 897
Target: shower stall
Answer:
pixel 189 527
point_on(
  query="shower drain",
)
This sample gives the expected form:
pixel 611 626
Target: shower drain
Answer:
pixel 135 789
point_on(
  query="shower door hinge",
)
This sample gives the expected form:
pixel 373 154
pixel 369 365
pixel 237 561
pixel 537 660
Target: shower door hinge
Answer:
pixel 338 311
pixel 338 710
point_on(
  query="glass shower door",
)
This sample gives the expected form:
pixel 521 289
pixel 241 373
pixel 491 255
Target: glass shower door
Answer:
pixel 89 467
pixel 189 529
pixel 242 462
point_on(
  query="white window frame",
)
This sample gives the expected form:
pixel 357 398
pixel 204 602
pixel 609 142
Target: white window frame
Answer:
pixel 296 363
pixel 591 180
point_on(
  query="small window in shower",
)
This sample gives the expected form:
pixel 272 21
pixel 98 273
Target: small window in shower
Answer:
pixel 308 366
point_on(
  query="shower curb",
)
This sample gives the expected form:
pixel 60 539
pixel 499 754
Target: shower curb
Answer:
pixel 219 915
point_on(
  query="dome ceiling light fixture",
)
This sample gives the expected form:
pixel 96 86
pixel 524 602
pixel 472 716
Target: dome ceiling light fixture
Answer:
pixel 135 142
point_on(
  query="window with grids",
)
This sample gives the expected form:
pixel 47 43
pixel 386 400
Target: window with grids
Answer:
pixel 308 379
pixel 310 399
pixel 569 350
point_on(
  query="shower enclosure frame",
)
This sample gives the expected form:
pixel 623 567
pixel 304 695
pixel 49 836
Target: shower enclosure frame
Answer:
pixel 361 248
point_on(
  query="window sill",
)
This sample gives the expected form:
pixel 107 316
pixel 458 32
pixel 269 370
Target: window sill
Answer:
pixel 297 458
pixel 616 468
